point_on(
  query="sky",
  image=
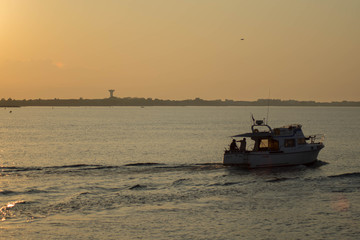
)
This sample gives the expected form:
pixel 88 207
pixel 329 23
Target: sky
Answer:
pixel 180 49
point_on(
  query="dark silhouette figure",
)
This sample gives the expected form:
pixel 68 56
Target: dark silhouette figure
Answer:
pixel 233 146
pixel 243 145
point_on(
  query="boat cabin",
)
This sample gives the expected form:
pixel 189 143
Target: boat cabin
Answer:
pixel 267 139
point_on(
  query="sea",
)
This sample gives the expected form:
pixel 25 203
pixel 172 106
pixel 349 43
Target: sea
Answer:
pixel 157 173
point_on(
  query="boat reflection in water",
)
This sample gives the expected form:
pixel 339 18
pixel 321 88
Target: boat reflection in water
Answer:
pixel 284 146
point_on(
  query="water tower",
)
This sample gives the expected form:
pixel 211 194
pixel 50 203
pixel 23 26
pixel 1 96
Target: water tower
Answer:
pixel 111 91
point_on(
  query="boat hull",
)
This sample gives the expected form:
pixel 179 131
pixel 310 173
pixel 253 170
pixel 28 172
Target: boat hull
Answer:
pixel 270 159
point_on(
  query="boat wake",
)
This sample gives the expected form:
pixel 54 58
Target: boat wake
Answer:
pixel 347 175
pixel 142 167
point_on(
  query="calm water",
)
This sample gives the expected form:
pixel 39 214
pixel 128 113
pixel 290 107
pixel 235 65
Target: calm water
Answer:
pixel 156 173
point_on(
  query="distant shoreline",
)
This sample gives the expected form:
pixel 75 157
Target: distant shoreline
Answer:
pixel 159 102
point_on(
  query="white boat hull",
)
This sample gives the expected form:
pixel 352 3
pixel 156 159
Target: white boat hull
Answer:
pixel 270 159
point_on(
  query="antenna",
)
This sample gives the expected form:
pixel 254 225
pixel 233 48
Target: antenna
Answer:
pixel 267 114
pixel 252 118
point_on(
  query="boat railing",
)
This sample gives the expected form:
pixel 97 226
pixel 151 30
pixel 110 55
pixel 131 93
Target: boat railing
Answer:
pixel 317 138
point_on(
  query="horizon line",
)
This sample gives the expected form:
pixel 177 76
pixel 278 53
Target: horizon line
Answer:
pixel 189 99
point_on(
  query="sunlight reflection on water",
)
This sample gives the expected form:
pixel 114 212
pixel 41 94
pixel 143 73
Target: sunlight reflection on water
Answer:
pixel 157 173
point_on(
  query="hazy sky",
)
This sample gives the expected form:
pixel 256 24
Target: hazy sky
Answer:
pixel 183 49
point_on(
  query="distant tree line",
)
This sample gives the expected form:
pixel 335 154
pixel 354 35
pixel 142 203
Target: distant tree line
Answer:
pixel 128 101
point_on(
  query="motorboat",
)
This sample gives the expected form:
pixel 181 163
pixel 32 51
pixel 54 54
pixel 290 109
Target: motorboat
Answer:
pixel 283 146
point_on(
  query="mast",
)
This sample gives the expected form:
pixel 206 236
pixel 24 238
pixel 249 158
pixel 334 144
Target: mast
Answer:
pixel 268 108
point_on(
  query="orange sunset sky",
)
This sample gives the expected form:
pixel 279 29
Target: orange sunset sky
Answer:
pixel 183 49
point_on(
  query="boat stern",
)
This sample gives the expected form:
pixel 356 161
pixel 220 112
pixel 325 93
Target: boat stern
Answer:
pixel 235 159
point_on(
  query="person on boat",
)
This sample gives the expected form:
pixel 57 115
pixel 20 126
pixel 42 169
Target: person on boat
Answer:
pixel 233 146
pixel 243 145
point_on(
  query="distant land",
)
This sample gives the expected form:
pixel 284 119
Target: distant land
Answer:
pixel 129 101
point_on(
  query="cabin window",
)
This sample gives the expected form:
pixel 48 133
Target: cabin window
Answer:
pixel 289 143
pixel 277 131
pixel 264 143
pixel 261 145
pixel 273 145
pixel 301 141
